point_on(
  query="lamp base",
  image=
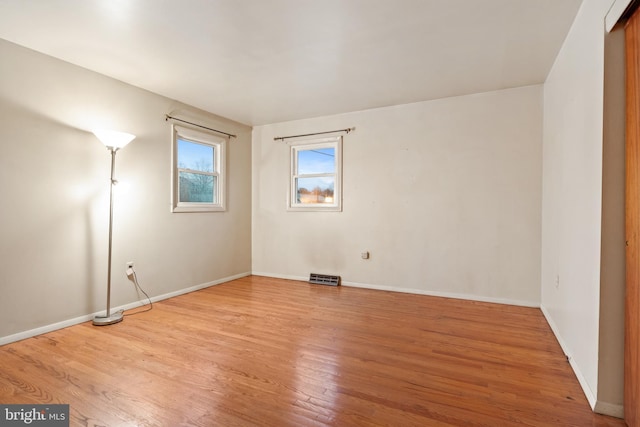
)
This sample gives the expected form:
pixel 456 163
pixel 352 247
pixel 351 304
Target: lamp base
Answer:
pixel 108 320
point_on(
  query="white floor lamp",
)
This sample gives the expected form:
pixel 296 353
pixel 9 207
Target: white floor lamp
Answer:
pixel 113 141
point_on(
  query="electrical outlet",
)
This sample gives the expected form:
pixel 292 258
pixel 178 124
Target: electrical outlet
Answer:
pixel 365 255
pixel 557 281
pixel 129 271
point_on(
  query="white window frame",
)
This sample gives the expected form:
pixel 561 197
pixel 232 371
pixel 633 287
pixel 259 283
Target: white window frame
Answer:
pixel 314 144
pixel 219 147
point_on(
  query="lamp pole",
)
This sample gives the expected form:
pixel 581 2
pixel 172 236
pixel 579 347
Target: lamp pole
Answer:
pixel 114 141
pixel 110 319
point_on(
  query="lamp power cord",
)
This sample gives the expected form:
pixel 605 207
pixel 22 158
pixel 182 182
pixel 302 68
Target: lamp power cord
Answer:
pixel 131 274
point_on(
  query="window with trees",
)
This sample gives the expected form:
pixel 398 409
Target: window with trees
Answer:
pixel 316 175
pixel 198 171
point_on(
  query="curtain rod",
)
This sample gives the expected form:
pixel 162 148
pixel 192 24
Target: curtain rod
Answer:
pixel 167 117
pixel 347 130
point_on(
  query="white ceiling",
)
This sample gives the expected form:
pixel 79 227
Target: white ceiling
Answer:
pixel 267 61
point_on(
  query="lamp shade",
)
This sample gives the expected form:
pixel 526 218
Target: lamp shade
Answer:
pixel 112 138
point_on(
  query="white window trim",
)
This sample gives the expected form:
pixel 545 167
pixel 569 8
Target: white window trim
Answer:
pixel 295 146
pixel 219 145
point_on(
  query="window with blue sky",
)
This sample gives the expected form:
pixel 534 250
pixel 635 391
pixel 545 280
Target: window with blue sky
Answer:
pixel 315 177
pixel 198 171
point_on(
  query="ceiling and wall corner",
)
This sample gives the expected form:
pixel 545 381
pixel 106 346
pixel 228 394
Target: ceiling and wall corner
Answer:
pixel 259 62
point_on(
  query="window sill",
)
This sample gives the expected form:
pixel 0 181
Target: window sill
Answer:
pixel 181 209
pixel 314 208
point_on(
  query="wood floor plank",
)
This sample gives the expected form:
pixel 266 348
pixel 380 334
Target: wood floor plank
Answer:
pixel 267 352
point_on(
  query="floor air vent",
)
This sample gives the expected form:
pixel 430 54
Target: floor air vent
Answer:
pixel 324 279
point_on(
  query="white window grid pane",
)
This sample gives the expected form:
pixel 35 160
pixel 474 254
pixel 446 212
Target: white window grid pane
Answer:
pixel 217 197
pixel 322 203
pixel 198 180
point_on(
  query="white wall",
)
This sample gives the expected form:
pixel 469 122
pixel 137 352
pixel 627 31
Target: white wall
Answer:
pixel 445 194
pixel 572 196
pixel 54 189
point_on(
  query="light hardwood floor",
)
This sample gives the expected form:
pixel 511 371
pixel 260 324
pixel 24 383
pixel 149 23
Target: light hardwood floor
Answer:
pixel 269 352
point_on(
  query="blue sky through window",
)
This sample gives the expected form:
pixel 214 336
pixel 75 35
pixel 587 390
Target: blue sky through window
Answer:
pixel 322 160
pixel 192 155
pixel 316 161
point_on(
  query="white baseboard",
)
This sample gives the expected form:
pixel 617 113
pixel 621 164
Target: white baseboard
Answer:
pixel 597 406
pixel 506 301
pixel 469 297
pixel 280 276
pixel 591 397
pixel 85 318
